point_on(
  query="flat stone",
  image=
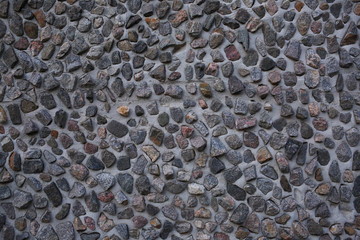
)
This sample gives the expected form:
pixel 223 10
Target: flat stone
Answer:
pixel 117 129
pixel 22 199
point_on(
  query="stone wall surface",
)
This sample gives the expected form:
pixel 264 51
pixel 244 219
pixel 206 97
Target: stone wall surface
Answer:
pixel 182 119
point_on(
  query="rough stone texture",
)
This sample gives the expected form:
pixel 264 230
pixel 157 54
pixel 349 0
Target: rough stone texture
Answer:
pixel 181 119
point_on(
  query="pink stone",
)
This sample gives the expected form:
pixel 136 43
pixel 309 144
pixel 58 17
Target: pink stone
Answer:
pixel 90 148
pixel 232 53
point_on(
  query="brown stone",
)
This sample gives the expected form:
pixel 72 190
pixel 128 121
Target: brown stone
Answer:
pixel 350 36
pixel 153 23
pixel 31 29
pixel 323 189
pixel 79 225
pixel 90 148
pixel 40 18
pixel 324 6
pixel 155 222
pixel 15 161
pixel 274 77
pixel 179 18
pixel 22 43
pixel 242 233
pixel 263 155
pixel 105 223
pixel 356 9
pixel 123 111
pixel 205 89
pixel 3 115
pixel 282 219
pixel 299 5
pixel 268 228
pixel 320 124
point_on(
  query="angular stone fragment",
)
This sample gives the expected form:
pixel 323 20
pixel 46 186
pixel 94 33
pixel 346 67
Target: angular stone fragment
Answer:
pixel 240 214
pixel 351 35
pixel 217 148
pixel 65 231
pixel 245 123
pixel 159 73
pixel 263 155
pixel 22 199
pixel 232 53
pixel 293 50
pixel 47 232
pixel 54 194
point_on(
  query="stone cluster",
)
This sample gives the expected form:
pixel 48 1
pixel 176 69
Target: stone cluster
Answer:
pixel 179 119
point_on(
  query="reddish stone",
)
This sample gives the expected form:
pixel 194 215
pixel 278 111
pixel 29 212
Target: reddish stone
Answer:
pixel 105 223
pixel 199 43
pixel 90 148
pixel 139 221
pixel 187 131
pixel 197 173
pixel 274 77
pixel 73 125
pixel 320 124
pixel 232 53
pixel 36 47
pixel 90 223
pixel 153 22
pixel 316 27
pixel 212 69
pixel 106 196
pixel 179 18
pixel 79 171
pixel 203 103
pixel 22 43
pixel 54 133
pixel 181 141
pixel 174 76
pixel 245 122
pixel 263 91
